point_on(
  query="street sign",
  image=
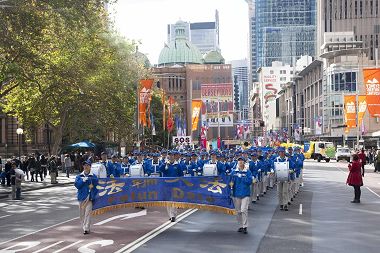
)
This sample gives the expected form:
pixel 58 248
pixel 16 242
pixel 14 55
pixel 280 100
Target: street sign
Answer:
pixel 182 140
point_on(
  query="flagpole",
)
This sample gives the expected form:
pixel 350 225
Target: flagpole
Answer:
pixel 138 115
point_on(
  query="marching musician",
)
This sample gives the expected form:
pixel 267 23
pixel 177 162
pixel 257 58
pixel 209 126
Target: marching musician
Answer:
pixel 154 165
pixel 299 159
pixel 171 169
pixel 113 167
pixel 219 166
pixel 202 159
pixel 292 174
pixel 282 186
pixel 86 183
pixel 140 160
pixel 241 180
pixel 125 166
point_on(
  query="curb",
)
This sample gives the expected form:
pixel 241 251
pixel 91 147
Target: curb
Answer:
pixel 5 194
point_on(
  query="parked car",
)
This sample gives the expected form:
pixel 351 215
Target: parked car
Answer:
pixel 343 153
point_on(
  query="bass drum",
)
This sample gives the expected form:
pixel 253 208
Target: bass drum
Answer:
pixel 282 171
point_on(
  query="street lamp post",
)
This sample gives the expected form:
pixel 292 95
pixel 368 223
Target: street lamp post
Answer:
pixel 19 132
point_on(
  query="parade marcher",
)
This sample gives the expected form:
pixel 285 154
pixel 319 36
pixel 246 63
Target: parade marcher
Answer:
pixel 140 160
pixel 268 164
pixel 292 174
pixel 282 186
pixel 254 166
pixel 113 167
pixel 299 159
pixel 171 169
pixel 241 182
pixel 125 166
pixel 220 168
pixel 86 183
pixel 354 178
pixel 53 170
pixel 154 165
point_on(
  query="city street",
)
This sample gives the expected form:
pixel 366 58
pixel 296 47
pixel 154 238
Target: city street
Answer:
pixel 320 219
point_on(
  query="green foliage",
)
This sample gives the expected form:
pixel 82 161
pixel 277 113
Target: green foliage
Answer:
pixel 61 64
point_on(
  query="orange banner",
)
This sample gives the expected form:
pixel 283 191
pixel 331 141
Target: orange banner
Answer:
pixel 372 85
pixel 362 108
pixel 350 111
pixel 145 96
pixel 196 110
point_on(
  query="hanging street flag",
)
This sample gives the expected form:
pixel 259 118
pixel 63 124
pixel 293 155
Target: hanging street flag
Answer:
pixel 372 85
pixel 145 96
pixel 170 123
pixel 153 125
pixel 163 110
pixel 350 110
pixel 205 193
pixel 362 107
pixel 184 127
pixel 196 109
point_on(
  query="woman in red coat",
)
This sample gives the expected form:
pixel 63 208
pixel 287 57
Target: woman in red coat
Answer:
pixel 355 177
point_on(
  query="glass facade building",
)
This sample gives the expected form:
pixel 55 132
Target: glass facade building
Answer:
pixel 283 30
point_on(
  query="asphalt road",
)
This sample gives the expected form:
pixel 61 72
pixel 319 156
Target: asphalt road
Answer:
pixel 320 219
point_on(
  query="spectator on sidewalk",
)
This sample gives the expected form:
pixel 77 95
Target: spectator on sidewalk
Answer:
pixel 377 162
pixel 354 178
pixel 24 166
pixel 53 170
pixel 44 164
pixel 7 175
pixel 362 159
pixel 32 167
pixel 68 166
pixel 38 168
pixel 16 179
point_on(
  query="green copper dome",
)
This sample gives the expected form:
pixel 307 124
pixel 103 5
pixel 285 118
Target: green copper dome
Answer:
pixel 143 59
pixel 214 57
pixel 180 50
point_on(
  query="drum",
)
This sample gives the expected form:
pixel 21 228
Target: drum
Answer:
pixel 210 170
pixel 282 171
pixel 99 170
pixel 136 170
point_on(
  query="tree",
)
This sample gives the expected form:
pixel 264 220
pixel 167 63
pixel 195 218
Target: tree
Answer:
pixel 82 76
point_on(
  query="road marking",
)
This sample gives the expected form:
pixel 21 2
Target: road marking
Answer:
pixel 68 246
pixel 102 243
pixel 372 191
pixel 26 245
pixel 300 211
pixel 48 247
pixel 1 243
pixel 123 217
pixel 5 216
pixel 145 238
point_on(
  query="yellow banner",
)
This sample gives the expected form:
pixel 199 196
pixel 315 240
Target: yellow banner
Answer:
pixel 362 107
pixel 196 109
pixel 350 111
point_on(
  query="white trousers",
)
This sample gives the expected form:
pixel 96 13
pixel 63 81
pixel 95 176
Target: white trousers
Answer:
pixel 241 207
pixel 254 191
pixel 85 208
pixel 271 179
pixel 283 193
pixel 172 211
pixel 265 183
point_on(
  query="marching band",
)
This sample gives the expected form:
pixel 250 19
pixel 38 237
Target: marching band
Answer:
pixel 253 172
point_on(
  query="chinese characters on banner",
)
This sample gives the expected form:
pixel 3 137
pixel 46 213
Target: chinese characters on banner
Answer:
pixel 145 96
pixel 196 109
pixel 217 107
pixel 372 85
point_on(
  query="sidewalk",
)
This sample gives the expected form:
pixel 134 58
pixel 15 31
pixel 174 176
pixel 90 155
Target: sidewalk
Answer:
pixel 31 186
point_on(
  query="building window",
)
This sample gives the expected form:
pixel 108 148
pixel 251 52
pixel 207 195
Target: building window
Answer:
pixel 283 79
pixel 271 72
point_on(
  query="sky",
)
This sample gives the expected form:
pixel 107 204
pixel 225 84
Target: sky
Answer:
pixel 146 21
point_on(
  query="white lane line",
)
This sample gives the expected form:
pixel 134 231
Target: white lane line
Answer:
pixel 48 247
pixel 68 246
pixel 39 230
pixel 5 216
pixel 369 189
pixel 137 243
pixel 300 211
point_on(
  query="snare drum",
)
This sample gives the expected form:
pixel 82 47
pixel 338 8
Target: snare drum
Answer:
pixel 282 171
pixel 210 170
pixel 136 170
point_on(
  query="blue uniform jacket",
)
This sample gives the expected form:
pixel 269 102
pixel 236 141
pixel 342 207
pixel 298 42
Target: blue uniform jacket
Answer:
pixel 152 167
pixel 124 168
pixel 254 167
pixel 171 169
pixel 191 168
pixel 84 187
pixel 241 185
pixel 298 160
pixel 113 169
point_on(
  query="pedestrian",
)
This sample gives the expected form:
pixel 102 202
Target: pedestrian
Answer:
pixel 363 159
pixel 67 163
pixel 32 167
pixel 241 192
pixel 53 170
pixel 7 175
pixel 44 163
pixel 354 178
pixel 377 161
pixel 16 179
pixel 86 183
